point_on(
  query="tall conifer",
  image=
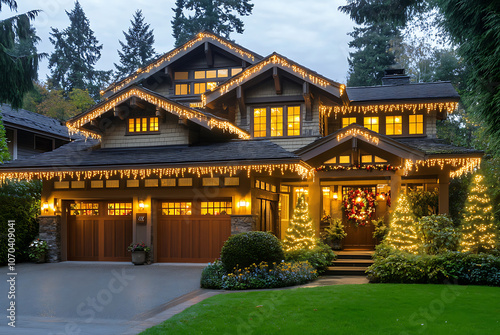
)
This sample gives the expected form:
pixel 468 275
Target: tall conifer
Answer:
pixel 402 231
pixel 300 234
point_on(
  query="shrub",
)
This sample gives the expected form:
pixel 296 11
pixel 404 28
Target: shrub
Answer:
pixel 320 257
pixel 334 231
pixel 423 203
pixel 438 234
pixel 381 229
pixel 245 249
pixel 255 276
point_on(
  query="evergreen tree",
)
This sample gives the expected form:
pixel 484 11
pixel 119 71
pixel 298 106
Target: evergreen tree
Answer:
pixel 77 50
pixel 300 234
pixel 479 232
pixel 18 55
pixel 217 16
pixel 138 49
pixel 402 231
pixel 4 150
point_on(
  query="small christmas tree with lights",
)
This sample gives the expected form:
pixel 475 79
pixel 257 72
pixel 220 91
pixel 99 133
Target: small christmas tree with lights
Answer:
pixel 300 234
pixel 402 231
pixel 479 232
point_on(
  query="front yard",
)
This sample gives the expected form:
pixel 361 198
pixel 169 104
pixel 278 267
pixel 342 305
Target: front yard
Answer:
pixel 345 309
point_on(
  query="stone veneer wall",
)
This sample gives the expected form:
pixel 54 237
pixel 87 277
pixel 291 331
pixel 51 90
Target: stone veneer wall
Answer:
pixel 50 231
pixel 242 223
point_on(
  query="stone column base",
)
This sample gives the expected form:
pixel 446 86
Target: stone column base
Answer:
pixel 242 223
pixel 50 231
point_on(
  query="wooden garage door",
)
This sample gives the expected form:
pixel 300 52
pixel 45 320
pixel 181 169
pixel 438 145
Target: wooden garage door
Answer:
pixel 192 238
pixel 99 231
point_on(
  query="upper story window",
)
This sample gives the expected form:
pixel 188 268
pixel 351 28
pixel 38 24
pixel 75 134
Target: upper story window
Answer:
pixel 276 121
pixel 394 125
pixel 372 123
pixel 182 89
pixel 416 123
pixel 181 75
pixel 200 81
pixel 143 125
pixel 347 121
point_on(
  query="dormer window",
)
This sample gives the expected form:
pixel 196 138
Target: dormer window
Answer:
pixel 371 123
pixel 141 125
pixel 276 121
pixel 347 121
pixel 416 124
pixel 394 125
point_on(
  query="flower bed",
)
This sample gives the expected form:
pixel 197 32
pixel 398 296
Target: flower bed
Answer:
pixel 255 276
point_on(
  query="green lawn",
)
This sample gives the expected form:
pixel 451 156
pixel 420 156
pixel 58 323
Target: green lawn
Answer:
pixel 345 309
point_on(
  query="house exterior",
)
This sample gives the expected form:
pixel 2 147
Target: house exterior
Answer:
pixel 31 133
pixel 212 139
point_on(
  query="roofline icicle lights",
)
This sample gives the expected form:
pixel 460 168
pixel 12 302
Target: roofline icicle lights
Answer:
pixel 465 165
pixel 302 169
pixel 358 132
pixel 76 125
pixel 118 86
pixel 450 107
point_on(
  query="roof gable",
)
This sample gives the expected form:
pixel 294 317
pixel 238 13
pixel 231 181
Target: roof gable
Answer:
pixel 209 121
pixel 177 53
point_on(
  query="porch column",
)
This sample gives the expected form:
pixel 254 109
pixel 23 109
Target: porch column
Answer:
pixel 444 191
pixel 395 187
pixel 315 202
pixel 50 231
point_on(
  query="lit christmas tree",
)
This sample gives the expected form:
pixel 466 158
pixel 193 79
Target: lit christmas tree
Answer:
pixel 402 232
pixel 300 234
pixel 478 231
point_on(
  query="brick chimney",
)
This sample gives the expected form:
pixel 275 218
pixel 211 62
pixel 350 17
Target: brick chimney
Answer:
pixel 395 76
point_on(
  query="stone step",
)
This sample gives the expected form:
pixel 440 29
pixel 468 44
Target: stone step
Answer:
pixel 353 262
pixel 345 271
pixel 354 254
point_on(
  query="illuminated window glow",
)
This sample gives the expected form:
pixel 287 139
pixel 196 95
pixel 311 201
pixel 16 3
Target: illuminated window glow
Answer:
pixel 199 88
pixel 84 208
pixel 394 125
pixel 176 208
pixel 182 89
pixel 143 125
pixel 259 122
pixel 181 75
pixel 416 124
pixel 216 208
pixel 344 159
pixel 293 121
pixel 120 208
pixel 371 123
pixel 347 121
pixel 276 121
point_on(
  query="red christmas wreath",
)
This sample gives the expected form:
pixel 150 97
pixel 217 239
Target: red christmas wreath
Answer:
pixel 359 206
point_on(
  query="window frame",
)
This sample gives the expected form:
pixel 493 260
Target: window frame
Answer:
pixel 148 131
pixel 416 125
pixel 371 125
pixel 394 125
pixel 284 120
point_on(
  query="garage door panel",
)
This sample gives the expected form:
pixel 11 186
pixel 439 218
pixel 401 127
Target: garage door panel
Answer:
pixel 82 241
pixel 117 237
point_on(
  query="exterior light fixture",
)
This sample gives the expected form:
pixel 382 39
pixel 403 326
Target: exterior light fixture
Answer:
pixel 45 206
pixel 243 203
pixel 335 196
pixel 141 205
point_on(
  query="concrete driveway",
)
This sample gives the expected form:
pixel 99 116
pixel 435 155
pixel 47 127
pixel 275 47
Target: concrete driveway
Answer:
pixel 94 298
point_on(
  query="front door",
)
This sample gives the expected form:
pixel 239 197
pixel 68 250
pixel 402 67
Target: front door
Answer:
pixel 359 237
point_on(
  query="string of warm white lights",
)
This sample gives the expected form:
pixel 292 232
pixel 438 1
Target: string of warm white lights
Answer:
pixel 301 169
pixel 402 232
pixel 76 125
pixel 449 107
pixel 167 57
pixel 465 165
pixel 358 132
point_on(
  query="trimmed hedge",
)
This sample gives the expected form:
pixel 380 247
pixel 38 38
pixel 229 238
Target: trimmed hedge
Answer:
pixel 244 249
pixel 320 257
pixel 460 268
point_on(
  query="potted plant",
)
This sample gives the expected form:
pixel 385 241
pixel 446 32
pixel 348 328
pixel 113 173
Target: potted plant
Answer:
pixel 381 229
pixel 37 250
pixel 139 251
pixel 334 233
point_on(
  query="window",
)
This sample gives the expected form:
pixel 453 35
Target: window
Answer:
pixel 216 208
pixel 393 125
pixel 276 121
pixel 143 124
pixel 176 208
pixel 199 88
pixel 259 122
pixel 416 124
pixel 211 85
pixel 347 121
pixel 182 89
pixel 181 75
pixel 120 208
pixel 223 73
pixel 212 74
pixel 344 159
pixel 84 208
pixel 380 160
pixel 366 158
pixel 371 123
pixel 293 116
pixel 199 74
pixel 235 71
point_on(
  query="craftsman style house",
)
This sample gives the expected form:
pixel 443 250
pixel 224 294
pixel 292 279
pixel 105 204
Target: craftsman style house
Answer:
pixel 212 139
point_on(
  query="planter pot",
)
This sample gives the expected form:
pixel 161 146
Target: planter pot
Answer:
pixel 41 258
pixel 139 257
pixel 337 244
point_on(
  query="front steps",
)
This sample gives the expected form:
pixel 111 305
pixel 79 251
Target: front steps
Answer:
pixel 350 263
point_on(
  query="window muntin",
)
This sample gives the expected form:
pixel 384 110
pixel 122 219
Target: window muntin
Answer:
pixel 181 75
pixel 84 208
pixel 143 125
pixel 176 208
pixel 199 74
pixel 199 88
pixel 344 159
pixel 347 121
pixel 120 208
pixel 236 71
pixel 216 208
pixel 393 125
pixel 371 123
pixel 182 89
pixel 259 122
pixel 293 121
pixel 416 123
pixel 276 121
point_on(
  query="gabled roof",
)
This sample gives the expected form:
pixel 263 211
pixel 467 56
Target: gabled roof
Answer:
pixel 206 120
pixel 175 54
pixel 283 63
pixel 409 93
pixel 436 147
pixel 23 119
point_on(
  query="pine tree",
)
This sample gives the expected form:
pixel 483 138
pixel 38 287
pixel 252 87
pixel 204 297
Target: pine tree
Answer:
pixel 4 150
pixel 479 232
pixel 217 16
pixel 77 50
pixel 300 234
pixel 138 48
pixel 402 231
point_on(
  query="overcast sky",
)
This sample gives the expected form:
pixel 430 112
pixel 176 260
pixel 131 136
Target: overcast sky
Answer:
pixel 312 33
